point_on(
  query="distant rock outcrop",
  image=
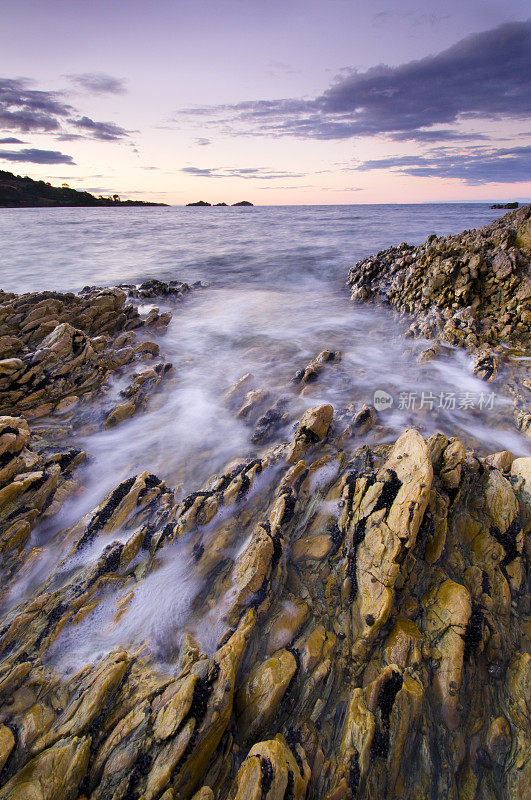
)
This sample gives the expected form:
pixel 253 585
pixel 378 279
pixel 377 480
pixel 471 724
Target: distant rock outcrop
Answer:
pixel 505 205
pixel 202 203
pixel 19 192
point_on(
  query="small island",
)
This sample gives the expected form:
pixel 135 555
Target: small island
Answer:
pixel 19 192
pixel 505 205
pixel 204 204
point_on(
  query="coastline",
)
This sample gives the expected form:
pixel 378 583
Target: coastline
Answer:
pixel 377 602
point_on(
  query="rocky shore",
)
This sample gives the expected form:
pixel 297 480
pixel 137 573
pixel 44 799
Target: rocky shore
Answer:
pixel 366 608
pixel 472 290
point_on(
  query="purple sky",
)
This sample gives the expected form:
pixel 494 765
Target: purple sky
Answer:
pixel 301 101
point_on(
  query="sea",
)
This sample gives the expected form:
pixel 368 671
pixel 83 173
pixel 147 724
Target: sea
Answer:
pixel 272 297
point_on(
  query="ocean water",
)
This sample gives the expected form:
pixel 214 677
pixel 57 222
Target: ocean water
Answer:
pixel 68 248
pixel 275 298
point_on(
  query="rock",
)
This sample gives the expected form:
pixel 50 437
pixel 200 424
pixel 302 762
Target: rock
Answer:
pixel 470 290
pixel 498 741
pixel 347 625
pixel 7 743
pixel 501 460
pixel 311 372
pixel 258 700
pixel 272 770
pixel 313 427
pixel 52 775
pixel 118 414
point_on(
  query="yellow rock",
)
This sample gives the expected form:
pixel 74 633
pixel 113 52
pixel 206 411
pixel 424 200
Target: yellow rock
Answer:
pixel 7 742
pixel 313 427
pixel 205 793
pixel 403 644
pixel 174 711
pixel 118 414
pixel 89 700
pixel 449 608
pixel 498 741
pixel 313 548
pixel 521 469
pixel 260 696
pixel 54 774
pixel 286 625
pixel 358 731
pixel 274 760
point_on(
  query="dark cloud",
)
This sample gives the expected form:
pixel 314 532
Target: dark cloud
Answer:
pixel 258 173
pixel 105 131
pixel 485 75
pixel 436 135
pixel 474 166
pixel 31 156
pixel 25 109
pixel 28 110
pixel 97 83
pixel 11 140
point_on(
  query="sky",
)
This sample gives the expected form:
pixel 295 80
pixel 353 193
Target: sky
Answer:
pixel 293 102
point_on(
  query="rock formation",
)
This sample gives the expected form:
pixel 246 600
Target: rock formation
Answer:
pixel 358 623
pixel 371 638
pixel 472 290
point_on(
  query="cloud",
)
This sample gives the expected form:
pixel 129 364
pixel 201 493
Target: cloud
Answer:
pixel 436 135
pixel 11 140
pixel 105 131
pixel 32 156
pixel 482 76
pixel 26 109
pixel 97 82
pixel 474 166
pixel 203 142
pixel 258 173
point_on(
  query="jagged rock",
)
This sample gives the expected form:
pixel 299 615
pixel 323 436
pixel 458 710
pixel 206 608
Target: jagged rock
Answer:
pixel 272 770
pixel 52 775
pixel 313 427
pixel 312 371
pixel 66 344
pixel 471 290
pixel 259 698
pixel 364 619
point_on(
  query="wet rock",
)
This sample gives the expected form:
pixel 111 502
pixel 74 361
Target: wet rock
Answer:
pixel 259 698
pixel 311 372
pixel 271 770
pixel 355 629
pixel 470 290
pixel 54 774
pixel 313 427
pixel 58 346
